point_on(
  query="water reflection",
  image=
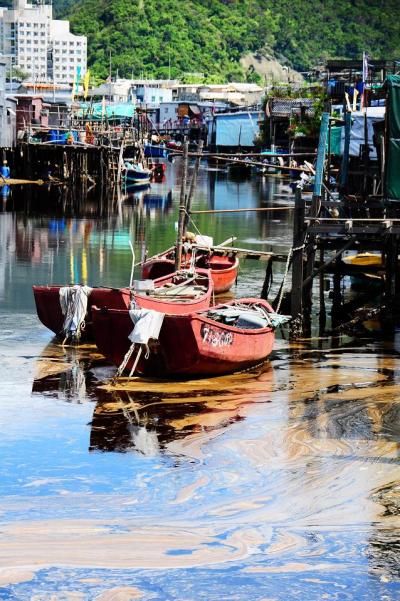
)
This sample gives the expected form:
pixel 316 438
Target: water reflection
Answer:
pixel 276 484
pixel 57 236
pixel 141 415
pixel 63 372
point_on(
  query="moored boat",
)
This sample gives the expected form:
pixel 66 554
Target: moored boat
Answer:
pixel 155 151
pixel 223 339
pixel 135 173
pixel 67 310
pixel 224 266
pixel 52 310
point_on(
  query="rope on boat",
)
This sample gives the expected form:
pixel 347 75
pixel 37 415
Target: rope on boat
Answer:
pixel 195 226
pixel 287 267
pixel 73 303
pixel 125 362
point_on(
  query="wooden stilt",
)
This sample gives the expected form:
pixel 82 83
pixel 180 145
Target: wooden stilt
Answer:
pixel 297 264
pixel 182 208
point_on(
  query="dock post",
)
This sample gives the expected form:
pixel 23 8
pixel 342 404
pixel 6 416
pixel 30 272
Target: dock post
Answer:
pixel 322 309
pixel 344 168
pixel 391 268
pixel 182 207
pixel 336 309
pixel 297 263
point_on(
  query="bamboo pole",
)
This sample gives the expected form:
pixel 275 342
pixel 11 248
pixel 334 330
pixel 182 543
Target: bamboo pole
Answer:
pixel 20 182
pixel 192 187
pixel 252 209
pixel 182 208
pixel 208 155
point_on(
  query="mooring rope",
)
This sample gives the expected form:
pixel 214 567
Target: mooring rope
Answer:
pixel 282 286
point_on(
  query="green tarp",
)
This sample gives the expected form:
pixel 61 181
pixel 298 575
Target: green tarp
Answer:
pixel 336 136
pixel 392 179
pixel 97 111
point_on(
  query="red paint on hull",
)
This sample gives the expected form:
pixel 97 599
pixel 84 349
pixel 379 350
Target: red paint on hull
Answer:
pixel 189 345
pixel 47 299
pixel 224 269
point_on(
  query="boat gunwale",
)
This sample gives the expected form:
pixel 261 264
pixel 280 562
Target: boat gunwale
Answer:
pixel 197 316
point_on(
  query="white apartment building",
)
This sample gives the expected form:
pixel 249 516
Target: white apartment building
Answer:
pixel 40 46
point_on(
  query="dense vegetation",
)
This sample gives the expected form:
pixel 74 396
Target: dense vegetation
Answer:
pixel 210 36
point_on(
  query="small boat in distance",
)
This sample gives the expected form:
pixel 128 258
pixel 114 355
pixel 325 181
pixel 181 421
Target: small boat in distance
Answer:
pixel 223 339
pixel 135 173
pixel 156 151
pixel 67 310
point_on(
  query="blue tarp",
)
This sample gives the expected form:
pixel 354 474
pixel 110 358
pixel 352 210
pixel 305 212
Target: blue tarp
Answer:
pixel 236 129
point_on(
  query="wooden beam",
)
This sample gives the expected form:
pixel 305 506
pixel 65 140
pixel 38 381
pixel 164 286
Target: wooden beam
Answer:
pixel 249 210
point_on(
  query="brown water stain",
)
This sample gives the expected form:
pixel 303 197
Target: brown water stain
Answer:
pixel 323 435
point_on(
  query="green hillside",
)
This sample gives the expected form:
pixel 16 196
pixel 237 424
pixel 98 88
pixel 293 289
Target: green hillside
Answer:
pixel 210 36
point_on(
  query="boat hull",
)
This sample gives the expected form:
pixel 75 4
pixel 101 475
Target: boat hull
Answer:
pixel 224 268
pixel 47 300
pixel 156 152
pixel 189 345
pixel 137 177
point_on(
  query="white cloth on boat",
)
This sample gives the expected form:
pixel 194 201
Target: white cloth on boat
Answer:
pixel 73 303
pixel 147 325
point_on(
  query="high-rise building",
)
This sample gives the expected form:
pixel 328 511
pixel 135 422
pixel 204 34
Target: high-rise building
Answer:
pixel 40 46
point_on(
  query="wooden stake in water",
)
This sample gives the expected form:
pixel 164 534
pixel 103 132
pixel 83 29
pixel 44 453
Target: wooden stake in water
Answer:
pixel 182 208
pixel 134 366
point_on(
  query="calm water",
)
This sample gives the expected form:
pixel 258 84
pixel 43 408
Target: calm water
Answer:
pixel 276 484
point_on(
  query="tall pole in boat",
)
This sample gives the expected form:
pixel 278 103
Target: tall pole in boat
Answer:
pixel 182 207
pixel 192 186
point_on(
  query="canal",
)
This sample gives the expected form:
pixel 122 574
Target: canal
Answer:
pixel 276 484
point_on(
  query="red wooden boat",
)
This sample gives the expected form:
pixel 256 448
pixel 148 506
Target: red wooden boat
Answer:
pixel 175 293
pixel 223 339
pixel 223 265
pixel 48 306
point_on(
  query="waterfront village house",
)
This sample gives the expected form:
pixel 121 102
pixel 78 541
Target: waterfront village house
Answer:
pixel 238 94
pixel 31 110
pixel 8 106
pixel 50 92
pixel 233 130
pixel 173 113
pixel 152 96
pixel 39 45
pixel 114 91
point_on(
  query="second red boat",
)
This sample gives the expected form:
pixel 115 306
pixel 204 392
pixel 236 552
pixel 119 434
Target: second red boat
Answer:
pixel 224 266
